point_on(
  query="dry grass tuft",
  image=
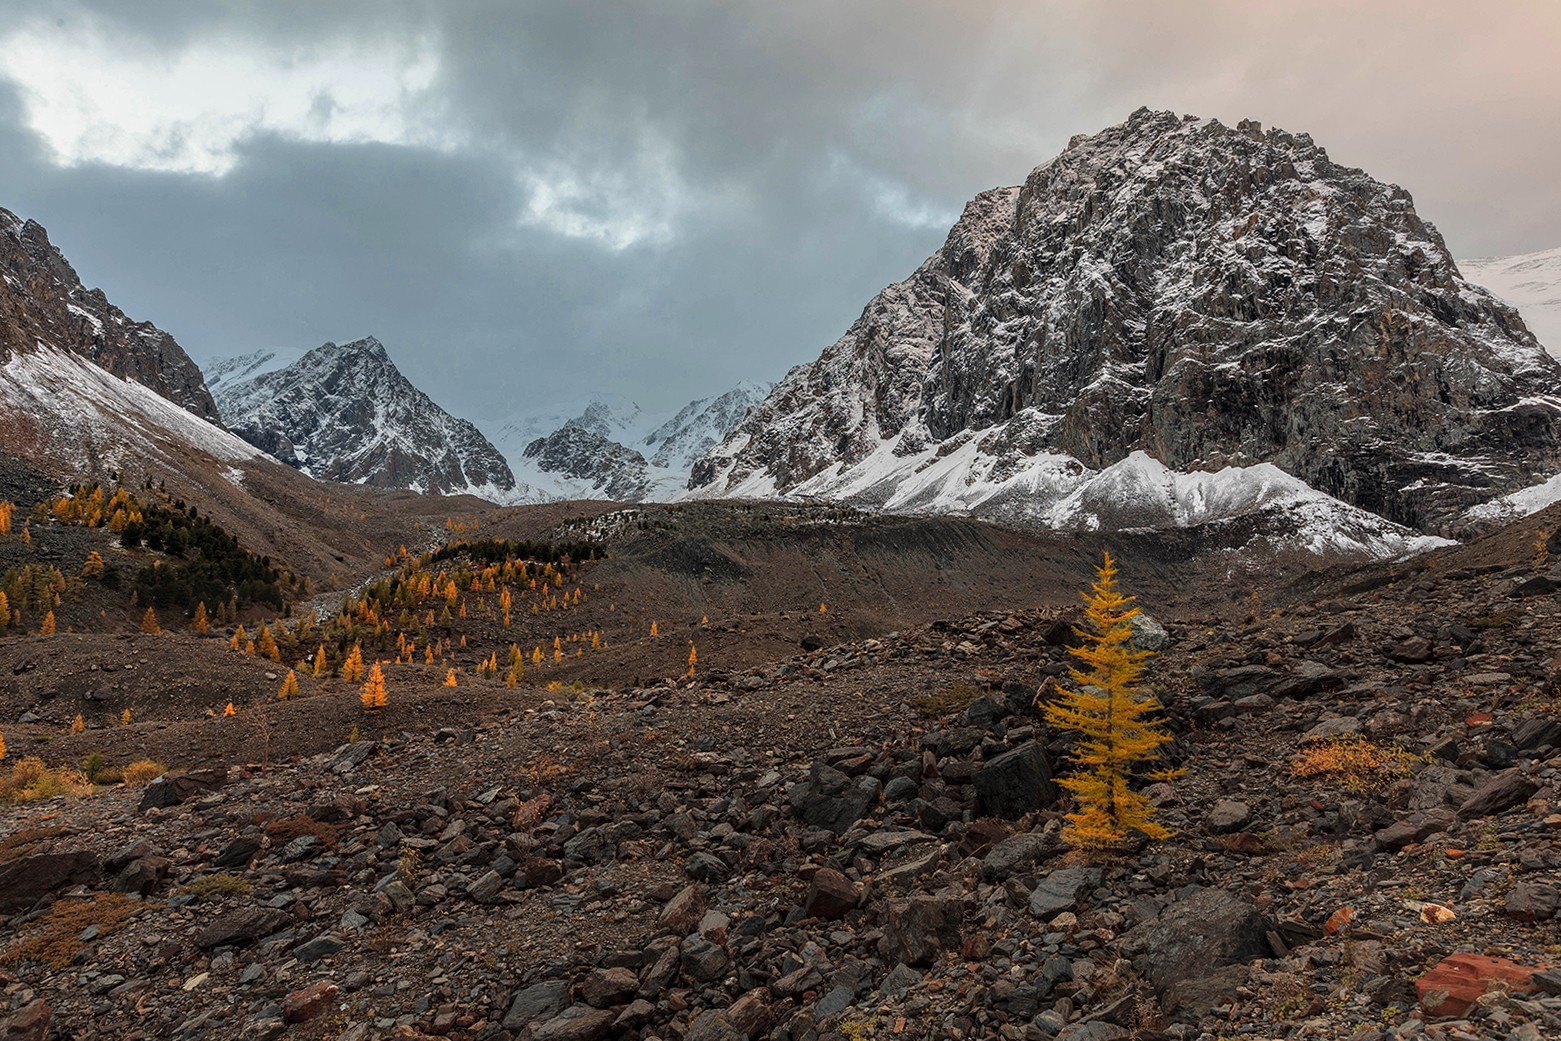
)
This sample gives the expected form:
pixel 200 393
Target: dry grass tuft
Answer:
pixel 29 780
pixel 143 771
pixel 286 829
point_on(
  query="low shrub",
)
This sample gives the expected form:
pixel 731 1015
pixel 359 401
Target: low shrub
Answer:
pixel 56 940
pixel 211 887
pixel 1356 764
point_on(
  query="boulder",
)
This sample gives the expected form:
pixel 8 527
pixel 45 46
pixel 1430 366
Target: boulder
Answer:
pixel 683 911
pixel 604 988
pixel 540 1001
pixel 580 1023
pixel 830 895
pixel 236 928
pixel 1455 983
pixel 918 929
pixel 1014 783
pixel 172 789
pixel 303 1005
pixel 827 799
pixel 1533 902
pixel 26 880
pixel 29 1023
pixel 1186 950
pixel 1502 792
pixel 1061 890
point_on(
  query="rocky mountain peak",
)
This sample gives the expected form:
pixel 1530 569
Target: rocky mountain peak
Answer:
pixel 347 413
pixel 1212 295
pixel 43 303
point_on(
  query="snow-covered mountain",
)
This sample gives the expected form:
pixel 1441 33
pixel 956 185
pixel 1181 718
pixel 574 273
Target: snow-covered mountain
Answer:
pixel 1531 283
pixel 44 304
pixel 608 447
pixel 1214 297
pixel 346 413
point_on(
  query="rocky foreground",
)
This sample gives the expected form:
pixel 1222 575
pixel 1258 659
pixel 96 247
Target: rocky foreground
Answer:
pixel 857 841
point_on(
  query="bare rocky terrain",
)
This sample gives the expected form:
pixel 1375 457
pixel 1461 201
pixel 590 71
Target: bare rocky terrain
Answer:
pixel 843 826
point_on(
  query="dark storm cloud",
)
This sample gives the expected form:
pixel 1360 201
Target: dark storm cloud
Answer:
pixel 661 199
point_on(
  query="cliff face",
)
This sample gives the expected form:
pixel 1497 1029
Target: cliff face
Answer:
pixel 42 302
pixel 1213 296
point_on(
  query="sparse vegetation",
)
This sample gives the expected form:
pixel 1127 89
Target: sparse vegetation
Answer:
pixel 217 886
pixel 57 937
pixel 1356 764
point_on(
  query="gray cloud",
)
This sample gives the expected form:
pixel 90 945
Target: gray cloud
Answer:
pixel 659 200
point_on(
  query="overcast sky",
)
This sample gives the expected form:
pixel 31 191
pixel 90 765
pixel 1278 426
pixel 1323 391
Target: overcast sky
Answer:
pixel 529 202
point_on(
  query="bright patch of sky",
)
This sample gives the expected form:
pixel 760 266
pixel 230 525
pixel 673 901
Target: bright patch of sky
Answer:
pixel 93 100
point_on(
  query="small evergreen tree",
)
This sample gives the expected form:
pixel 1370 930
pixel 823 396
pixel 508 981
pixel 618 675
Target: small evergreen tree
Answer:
pixel 1114 726
pixel 265 644
pixel 229 712
pixel 149 622
pixel 449 678
pixel 289 686
pixel 200 625
pixel 46 627
pixel 124 718
pixel 79 724
pixel 93 568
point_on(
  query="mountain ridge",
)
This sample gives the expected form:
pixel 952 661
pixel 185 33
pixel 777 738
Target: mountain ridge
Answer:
pixel 1184 288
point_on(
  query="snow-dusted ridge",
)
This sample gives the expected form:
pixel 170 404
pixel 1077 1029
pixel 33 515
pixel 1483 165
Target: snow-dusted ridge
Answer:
pixel 84 410
pixel 346 413
pixel 1215 296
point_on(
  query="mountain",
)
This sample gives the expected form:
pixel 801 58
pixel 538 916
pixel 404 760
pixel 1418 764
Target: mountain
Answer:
pixel 347 414
pixel 1531 283
pixel 1212 296
pixel 609 447
pixel 44 305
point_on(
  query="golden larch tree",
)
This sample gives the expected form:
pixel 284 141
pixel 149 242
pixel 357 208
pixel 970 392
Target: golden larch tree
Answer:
pixel 321 667
pixel 449 678
pixel 79 724
pixel 352 669
pixel 93 568
pixel 46 627
pixel 149 623
pixel 229 712
pixel 289 686
pixel 693 659
pixel 1113 724
pixel 5 611
pixel 374 696
pixel 124 718
pixel 6 509
pixel 265 644
pixel 2 746
pixel 200 625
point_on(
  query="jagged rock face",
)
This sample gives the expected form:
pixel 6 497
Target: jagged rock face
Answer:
pixel 701 424
pixel 346 413
pixel 42 301
pixel 1211 295
pixel 613 470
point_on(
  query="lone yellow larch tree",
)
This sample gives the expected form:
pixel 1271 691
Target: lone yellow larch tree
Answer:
pixel 200 625
pixel 374 696
pixel 289 686
pixel 46 627
pixel 1114 725
pixel 149 623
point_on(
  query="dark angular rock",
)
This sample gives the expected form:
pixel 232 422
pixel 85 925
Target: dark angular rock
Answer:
pixel 538 1001
pixel 173 789
pixel 1502 792
pixel 1014 783
pixel 26 880
pixel 683 911
pixel 236 928
pixel 1184 951
pixel 1533 902
pixel 604 988
pixel 1061 890
pixel 830 895
pixel 579 1023
pixel 827 799
pixel 917 930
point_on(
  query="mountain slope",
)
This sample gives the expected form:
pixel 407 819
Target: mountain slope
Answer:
pixel 1212 296
pixel 347 414
pixel 1530 282
pixel 42 302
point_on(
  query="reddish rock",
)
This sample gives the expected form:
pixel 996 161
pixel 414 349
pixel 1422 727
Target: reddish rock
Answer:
pixel 30 1023
pixel 1459 980
pixel 683 912
pixel 303 1005
pixel 830 894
